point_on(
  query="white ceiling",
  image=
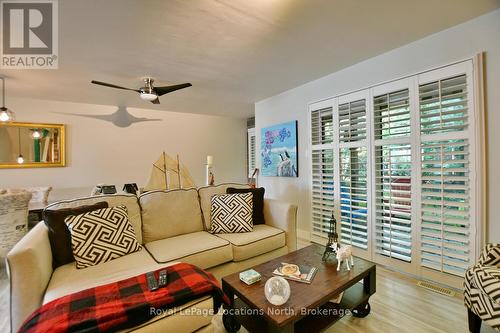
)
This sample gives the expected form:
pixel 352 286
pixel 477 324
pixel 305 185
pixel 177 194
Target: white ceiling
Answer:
pixel 234 52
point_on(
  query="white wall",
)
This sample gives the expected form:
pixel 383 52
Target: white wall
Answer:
pixel 457 43
pixel 101 152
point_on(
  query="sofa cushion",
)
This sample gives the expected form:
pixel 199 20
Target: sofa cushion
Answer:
pixel 258 202
pixel 68 279
pixel 59 235
pixel 231 213
pixel 205 193
pixel 198 248
pixel 170 213
pixel 261 240
pixel 101 236
pixel 129 201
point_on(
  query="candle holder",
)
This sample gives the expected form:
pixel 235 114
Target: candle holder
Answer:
pixel 333 239
pixel 209 175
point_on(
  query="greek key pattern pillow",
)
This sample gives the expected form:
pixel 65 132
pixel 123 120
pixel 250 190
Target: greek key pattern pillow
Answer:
pixel 231 213
pixel 101 235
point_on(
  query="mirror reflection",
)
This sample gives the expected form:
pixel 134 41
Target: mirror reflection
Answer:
pixel 31 145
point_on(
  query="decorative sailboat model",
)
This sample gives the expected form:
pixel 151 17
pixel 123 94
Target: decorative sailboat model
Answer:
pixel 168 174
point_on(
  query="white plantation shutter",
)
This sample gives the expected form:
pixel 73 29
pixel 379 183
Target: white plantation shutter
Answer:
pixel 397 164
pixel 443 105
pixel 352 121
pixel 446 223
pixel 322 190
pixel 393 220
pixel 392 171
pixel 322 199
pixel 392 115
pixel 354 197
pixel 445 216
pixel 322 126
pixel 251 152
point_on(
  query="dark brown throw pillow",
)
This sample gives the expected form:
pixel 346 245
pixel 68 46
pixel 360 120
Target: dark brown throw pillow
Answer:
pixel 59 235
pixel 258 202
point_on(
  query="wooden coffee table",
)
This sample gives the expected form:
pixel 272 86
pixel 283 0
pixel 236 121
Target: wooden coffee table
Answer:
pixel 309 308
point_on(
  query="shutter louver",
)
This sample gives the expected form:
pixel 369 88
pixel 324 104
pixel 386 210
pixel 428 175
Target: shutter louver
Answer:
pixel 445 218
pixel 393 201
pixel 322 170
pixel 443 105
pixel 352 121
pixel 392 115
pixel 353 197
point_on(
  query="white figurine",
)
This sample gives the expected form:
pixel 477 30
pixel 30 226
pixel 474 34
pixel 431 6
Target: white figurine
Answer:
pixel 344 252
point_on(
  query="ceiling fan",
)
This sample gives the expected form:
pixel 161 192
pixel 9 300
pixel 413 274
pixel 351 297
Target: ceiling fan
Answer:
pixel 148 92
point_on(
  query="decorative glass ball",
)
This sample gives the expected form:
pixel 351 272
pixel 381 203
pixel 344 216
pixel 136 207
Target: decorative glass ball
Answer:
pixel 277 290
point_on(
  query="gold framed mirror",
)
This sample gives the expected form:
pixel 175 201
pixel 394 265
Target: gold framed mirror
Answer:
pixel 32 145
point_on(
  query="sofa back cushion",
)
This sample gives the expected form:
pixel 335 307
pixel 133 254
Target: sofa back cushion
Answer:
pixel 129 201
pixel 101 235
pixel 207 192
pixel 59 235
pixel 170 213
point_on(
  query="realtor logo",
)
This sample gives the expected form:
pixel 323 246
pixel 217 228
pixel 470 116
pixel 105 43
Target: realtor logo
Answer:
pixel 29 34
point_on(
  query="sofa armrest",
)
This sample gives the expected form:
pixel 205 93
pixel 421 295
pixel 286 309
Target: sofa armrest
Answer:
pixel 282 215
pixel 29 266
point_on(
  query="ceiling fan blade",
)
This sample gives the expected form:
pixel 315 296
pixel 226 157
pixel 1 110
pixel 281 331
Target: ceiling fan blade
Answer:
pixel 165 90
pixel 156 101
pixel 112 85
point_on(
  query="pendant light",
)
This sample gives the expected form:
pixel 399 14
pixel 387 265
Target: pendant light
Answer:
pixel 20 158
pixel 36 134
pixel 5 114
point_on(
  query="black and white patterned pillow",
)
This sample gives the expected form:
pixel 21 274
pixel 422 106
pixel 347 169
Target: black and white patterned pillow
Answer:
pixel 231 213
pixel 101 235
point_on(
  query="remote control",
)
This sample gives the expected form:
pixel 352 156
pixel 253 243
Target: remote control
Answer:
pixel 152 283
pixel 162 279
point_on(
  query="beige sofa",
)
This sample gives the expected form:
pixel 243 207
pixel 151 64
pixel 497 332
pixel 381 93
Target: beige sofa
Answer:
pixel 172 226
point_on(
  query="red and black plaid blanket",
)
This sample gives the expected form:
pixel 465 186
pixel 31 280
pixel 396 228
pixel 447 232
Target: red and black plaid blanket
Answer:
pixel 123 304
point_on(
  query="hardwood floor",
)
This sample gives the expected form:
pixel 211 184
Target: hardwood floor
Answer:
pixel 399 305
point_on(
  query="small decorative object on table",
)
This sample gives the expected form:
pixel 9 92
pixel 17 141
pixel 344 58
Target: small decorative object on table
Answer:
pixel 277 290
pixel 344 253
pixel 300 273
pixel 250 276
pixel 333 239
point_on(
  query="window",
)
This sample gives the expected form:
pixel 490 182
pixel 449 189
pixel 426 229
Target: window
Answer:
pixel 251 152
pixel 394 163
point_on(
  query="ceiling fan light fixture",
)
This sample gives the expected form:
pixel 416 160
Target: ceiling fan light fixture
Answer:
pixel 148 96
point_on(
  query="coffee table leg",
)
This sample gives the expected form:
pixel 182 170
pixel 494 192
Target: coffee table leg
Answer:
pixel 228 319
pixel 369 286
